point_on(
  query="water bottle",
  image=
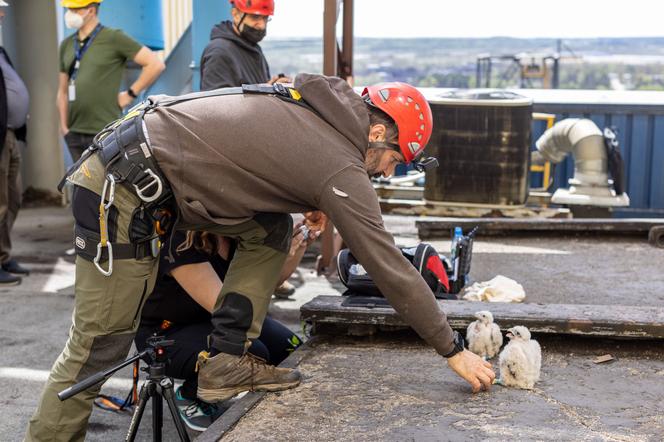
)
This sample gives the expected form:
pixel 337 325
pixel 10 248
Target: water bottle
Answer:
pixel 454 252
pixel 458 233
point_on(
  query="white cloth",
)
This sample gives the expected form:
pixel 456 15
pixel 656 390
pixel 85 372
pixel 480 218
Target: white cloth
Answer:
pixel 499 289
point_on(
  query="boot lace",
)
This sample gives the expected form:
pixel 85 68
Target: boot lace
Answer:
pixel 256 364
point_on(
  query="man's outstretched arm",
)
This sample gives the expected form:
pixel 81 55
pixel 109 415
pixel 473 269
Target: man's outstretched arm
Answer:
pixel 351 203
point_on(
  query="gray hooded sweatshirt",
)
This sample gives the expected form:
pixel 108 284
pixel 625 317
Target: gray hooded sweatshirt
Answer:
pixel 230 157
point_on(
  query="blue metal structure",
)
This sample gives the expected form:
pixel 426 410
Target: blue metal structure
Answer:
pixel 639 118
pixel 178 76
pixel 142 20
pixel 207 13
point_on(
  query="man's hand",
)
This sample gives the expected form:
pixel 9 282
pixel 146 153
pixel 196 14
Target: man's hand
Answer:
pixel 124 99
pixel 315 220
pixel 299 241
pixel 278 79
pixel 475 370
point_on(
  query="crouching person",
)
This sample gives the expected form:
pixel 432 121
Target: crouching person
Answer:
pixel 180 309
pixel 222 161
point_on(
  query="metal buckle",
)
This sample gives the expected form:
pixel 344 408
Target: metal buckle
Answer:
pixel 103 225
pixel 155 181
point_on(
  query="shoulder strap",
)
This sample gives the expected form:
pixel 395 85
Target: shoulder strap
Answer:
pixel 277 89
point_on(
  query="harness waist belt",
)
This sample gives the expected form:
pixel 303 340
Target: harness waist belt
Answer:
pixel 85 242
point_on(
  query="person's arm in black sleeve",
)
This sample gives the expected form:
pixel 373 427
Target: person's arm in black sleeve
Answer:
pixel 218 70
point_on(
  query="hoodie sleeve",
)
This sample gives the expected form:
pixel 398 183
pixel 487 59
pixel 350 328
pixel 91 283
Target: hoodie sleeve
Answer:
pixel 350 201
pixel 218 70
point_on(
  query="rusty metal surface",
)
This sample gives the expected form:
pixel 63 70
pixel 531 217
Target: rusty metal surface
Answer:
pixel 398 206
pixel 387 390
pixel 574 319
pixel 437 228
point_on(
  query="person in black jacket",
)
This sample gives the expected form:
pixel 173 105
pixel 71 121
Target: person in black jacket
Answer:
pixel 14 102
pixel 233 56
pixel 179 308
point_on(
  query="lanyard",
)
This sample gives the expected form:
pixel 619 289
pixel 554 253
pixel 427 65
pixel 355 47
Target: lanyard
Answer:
pixel 79 51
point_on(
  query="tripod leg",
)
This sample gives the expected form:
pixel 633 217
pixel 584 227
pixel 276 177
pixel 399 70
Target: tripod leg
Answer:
pixel 167 392
pixel 157 416
pixel 146 390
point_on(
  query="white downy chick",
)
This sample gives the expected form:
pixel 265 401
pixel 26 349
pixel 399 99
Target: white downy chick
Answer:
pixel 483 336
pixel 521 359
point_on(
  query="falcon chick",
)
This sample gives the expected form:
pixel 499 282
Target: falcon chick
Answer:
pixel 521 359
pixel 483 336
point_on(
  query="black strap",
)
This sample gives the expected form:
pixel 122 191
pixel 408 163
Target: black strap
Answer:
pixel 85 245
pixel 277 89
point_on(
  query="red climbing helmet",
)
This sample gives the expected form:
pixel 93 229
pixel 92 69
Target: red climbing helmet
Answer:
pixel 409 110
pixel 258 7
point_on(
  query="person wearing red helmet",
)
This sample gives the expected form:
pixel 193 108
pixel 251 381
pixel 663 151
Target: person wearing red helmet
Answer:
pixel 233 56
pixel 236 162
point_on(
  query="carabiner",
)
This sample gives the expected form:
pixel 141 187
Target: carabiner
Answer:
pixel 111 194
pixel 103 226
pixel 108 272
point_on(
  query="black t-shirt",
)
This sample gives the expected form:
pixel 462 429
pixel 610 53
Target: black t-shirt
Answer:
pixel 169 301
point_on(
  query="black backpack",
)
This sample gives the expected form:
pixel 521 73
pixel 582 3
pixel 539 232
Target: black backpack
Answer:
pixel 424 258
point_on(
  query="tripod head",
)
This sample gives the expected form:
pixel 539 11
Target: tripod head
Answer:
pixel 155 356
pixel 156 351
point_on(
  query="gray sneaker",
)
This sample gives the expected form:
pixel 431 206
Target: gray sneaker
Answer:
pixel 223 376
pixel 196 414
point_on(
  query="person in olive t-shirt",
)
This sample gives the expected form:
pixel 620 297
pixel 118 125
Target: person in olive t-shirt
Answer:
pixel 89 97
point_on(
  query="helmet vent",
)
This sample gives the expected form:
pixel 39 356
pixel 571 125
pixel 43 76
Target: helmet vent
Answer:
pixel 384 94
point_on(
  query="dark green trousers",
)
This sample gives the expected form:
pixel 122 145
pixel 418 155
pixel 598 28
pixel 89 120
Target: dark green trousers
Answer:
pixel 108 309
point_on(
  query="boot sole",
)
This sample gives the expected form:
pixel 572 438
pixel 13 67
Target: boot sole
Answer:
pixel 212 395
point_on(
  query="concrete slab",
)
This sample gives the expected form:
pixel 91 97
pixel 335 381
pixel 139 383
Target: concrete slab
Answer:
pixel 383 389
pixel 571 319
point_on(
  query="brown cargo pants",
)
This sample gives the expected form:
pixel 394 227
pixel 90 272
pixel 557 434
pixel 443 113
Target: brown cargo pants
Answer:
pixel 10 192
pixel 107 309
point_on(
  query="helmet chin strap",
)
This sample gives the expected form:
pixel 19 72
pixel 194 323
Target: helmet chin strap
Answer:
pixel 383 145
pixel 421 163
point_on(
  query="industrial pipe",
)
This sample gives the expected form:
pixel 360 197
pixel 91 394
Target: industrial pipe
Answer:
pixel 591 184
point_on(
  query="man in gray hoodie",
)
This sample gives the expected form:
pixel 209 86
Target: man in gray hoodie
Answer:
pixel 226 162
pixel 233 56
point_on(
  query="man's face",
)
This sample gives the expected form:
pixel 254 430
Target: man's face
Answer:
pixel 252 20
pixel 382 162
pixel 379 161
pixel 86 12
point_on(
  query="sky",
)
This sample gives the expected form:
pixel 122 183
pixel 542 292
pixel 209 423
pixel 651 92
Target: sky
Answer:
pixel 479 18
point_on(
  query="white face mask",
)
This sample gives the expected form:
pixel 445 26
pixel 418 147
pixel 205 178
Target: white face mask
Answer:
pixel 73 20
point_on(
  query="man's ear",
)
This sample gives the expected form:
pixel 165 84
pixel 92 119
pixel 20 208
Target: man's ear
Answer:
pixel 236 14
pixel 377 132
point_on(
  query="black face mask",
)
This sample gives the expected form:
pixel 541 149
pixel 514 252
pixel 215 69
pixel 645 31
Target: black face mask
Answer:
pixel 252 35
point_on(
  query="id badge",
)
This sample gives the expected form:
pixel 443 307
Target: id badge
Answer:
pixel 72 91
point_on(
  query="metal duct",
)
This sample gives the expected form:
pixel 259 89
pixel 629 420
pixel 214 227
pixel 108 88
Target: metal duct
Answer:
pixel 590 185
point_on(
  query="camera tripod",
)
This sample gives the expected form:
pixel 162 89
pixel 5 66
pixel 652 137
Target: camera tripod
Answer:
pixel 158 386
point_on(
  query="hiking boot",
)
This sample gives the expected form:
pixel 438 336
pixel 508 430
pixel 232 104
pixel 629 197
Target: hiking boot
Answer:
pixel 196 414
pixel 223 376
pixel 12 266
pixel 7 278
